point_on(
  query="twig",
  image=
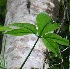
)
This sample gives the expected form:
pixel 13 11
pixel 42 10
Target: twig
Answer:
pixel 29 53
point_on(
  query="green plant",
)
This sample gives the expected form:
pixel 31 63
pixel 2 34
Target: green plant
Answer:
pixel 2 63
pixel 45 27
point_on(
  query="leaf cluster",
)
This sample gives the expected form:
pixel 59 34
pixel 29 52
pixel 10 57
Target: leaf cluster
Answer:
pixel 44 30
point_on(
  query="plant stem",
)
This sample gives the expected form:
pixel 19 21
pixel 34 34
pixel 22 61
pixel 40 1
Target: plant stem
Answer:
pixel 29 53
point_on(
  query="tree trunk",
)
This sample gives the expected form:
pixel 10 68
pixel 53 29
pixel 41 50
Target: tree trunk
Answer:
pixel 17 48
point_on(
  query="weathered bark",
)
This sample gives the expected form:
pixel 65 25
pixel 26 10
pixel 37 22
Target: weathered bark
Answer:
pixel 17 48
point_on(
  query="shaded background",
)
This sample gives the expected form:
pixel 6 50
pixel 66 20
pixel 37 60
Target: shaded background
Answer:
pixel 2 17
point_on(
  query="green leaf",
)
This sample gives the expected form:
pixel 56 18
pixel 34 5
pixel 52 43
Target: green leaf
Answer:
pixel 69 27
pixel 28 26
pixel 45 24
pixel 42 20
pixel 57 38
pixel 4 28
pixel 19 32
pixel 52 46
pixel 50 27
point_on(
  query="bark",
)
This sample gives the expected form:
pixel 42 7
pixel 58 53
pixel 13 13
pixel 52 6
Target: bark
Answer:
pixel 17 48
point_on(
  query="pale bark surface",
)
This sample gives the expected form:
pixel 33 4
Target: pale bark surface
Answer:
pixel 17 48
